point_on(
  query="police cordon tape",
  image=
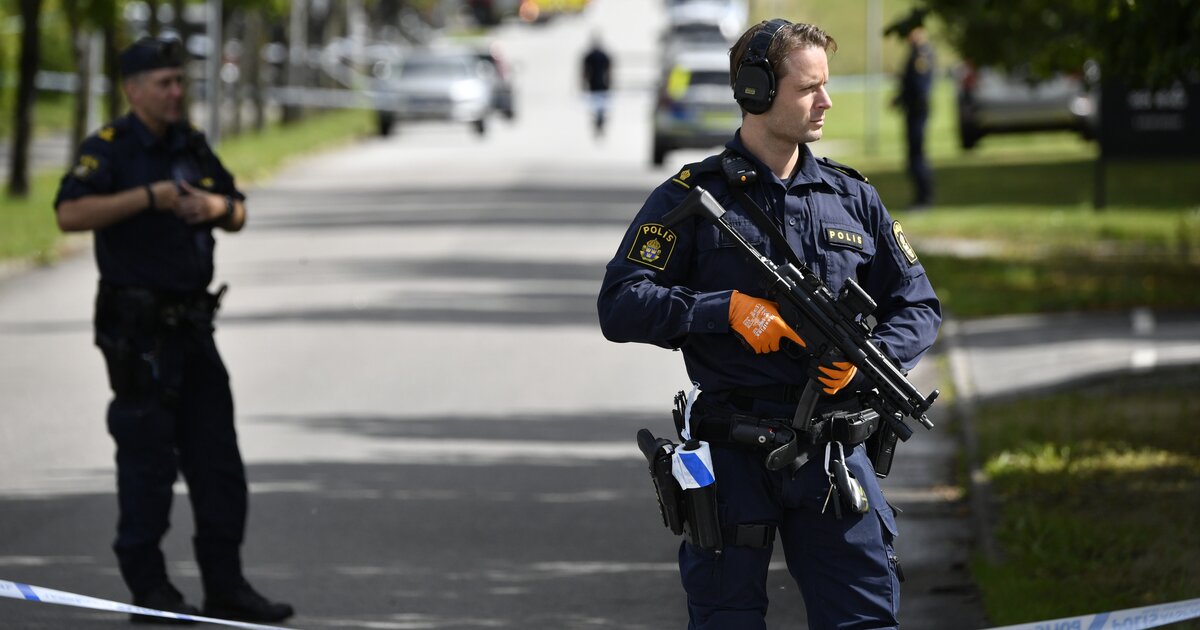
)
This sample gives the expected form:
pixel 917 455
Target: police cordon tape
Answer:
pixel 1128 619
pixel 17 590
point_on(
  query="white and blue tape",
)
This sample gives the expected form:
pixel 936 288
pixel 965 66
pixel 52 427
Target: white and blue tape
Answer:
pixel 30 593
pixel 693 469
pixel 1128 619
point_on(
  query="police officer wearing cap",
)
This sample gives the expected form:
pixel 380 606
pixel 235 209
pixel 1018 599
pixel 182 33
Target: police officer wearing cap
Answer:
pixel 152 191
pixel 916 82
pixel 686 287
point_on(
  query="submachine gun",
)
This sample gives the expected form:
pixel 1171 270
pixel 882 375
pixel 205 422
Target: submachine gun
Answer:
pixel 834 329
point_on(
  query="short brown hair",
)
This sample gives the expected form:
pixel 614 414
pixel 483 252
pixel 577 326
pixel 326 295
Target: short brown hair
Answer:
pixel 790 37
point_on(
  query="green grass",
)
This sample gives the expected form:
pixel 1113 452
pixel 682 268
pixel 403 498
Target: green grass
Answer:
pixel 1026 202
pixel 51 113
pixel 27 226
pixel 1100 497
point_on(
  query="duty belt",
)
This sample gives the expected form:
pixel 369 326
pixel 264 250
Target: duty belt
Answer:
pixel 784 443
pixel 171 309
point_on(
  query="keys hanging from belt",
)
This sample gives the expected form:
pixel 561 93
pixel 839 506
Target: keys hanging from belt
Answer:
pixel 844 489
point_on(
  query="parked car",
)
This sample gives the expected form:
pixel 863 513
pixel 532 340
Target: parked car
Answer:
pixel 684 36
pixel 728 15
pixel 435 84
pixel 695 107
pixel 992 101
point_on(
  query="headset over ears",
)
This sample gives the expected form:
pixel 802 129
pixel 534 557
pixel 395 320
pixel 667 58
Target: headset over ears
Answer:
pixel 754 88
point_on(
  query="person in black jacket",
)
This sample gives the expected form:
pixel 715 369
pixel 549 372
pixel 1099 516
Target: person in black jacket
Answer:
pixel 597 81
pixel 915 84
pixel 151 190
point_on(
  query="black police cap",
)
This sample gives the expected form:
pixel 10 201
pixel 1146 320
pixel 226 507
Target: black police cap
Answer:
pixel 149 53
pixel 905 25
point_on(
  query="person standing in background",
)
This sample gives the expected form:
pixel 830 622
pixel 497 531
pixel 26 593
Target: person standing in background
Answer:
pixel 152 191
pixel 597 81
pixel 915 84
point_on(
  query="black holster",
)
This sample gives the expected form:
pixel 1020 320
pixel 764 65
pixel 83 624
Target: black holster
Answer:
pixel 140 332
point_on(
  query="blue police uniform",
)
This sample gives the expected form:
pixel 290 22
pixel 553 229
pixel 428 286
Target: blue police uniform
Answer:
pixel 915 85
pixel 172 408
pixel 671 286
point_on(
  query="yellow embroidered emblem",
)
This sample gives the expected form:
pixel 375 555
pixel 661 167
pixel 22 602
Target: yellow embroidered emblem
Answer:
pixel 652 246
pixel 86 166
pixel 682 176
pixel 207 182
pixel 106 134
pixel 902 242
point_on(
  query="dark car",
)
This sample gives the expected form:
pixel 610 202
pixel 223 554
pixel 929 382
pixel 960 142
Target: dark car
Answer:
pixel 695 107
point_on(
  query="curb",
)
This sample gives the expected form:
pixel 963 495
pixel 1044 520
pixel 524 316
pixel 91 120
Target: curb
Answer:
pixel 979 489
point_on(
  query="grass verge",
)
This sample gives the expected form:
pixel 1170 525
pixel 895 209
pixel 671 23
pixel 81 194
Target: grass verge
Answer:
pixel 27 226
pixel 1100 497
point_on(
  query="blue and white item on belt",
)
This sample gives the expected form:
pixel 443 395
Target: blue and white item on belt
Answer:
pixel 691 464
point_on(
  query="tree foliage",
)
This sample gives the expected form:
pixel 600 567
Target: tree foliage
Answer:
pixel 1152 42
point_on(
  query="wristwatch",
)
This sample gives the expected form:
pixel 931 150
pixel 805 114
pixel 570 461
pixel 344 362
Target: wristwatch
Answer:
pixel 229 208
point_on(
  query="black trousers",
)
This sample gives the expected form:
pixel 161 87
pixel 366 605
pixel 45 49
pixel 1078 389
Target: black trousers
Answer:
pixel 176 417
pixel 919 170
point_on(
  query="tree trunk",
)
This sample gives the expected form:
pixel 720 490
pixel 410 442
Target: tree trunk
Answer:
pixel 81 41
pixel 152 25
pixel 18 176
pixel 112 102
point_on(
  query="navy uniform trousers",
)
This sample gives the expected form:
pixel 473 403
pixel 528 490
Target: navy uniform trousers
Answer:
pixel 845 569
pixel 190 430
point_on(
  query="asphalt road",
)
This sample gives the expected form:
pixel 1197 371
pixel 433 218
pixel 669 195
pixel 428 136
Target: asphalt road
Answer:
pixel 436 434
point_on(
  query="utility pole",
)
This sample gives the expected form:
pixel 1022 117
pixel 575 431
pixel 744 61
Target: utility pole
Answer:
pixel 874 69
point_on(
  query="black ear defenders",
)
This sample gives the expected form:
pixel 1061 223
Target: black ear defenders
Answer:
pixel 754 88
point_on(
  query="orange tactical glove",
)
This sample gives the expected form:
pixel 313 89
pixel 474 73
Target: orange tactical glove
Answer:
pixel 758 323
pixel 839 374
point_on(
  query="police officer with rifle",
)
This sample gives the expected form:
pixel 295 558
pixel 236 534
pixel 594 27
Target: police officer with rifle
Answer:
pixel 152 191
pixel 798 305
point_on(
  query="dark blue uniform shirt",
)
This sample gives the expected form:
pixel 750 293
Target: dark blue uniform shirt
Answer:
pixel 670 286
pixel 917 79
pixel 154 250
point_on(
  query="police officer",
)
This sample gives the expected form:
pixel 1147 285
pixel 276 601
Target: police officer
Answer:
pixel 686 287
pixel 151 190
pixel 597 80
pixel 915 85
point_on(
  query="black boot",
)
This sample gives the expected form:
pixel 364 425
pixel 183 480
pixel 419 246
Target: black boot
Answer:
pixel 164 598
pixel 243 603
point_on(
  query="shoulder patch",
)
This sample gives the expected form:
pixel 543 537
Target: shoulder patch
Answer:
pixel 690 172
pixel 107 133
pixel 842 168
pixel 652 246
pixel 682 177
pixel 85 167
pixel 902 242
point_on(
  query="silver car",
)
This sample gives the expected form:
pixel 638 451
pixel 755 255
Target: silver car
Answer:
pixel 695 107
pixel 438 85
pixel 991 101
